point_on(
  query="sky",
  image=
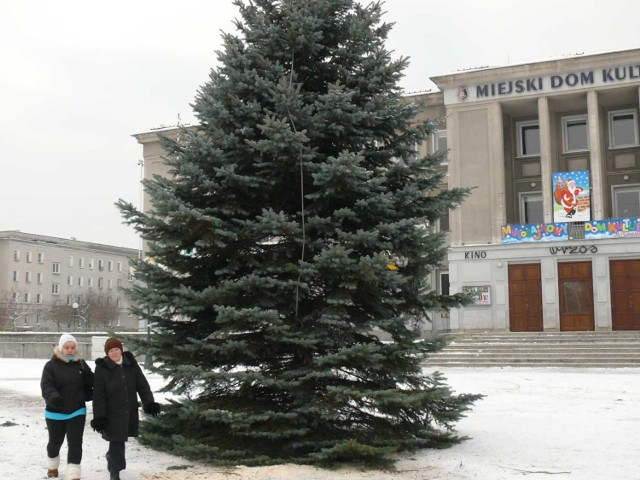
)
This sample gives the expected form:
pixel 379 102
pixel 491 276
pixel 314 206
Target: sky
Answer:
pixel 79 78
pixel 537 423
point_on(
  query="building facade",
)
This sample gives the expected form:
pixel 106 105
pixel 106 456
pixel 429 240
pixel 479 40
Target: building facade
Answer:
pixel 549 238
pixel 52 284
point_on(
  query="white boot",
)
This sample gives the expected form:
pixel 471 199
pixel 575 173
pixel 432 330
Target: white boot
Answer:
pixel 73 472
pixel 52 466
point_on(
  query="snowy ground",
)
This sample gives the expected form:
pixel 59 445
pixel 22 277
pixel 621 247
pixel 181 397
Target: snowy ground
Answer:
pixel 533 423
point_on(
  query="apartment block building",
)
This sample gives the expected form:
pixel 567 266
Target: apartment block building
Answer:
pixel 50 284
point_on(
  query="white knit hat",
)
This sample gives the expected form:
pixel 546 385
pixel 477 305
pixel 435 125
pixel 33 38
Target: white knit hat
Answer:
pixel 64 338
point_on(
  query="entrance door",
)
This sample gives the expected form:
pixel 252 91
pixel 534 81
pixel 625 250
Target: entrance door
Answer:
pixel 525 298
pixel 625 294
pixel 576 296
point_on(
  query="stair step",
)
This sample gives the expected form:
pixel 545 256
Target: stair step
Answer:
pixel 540 349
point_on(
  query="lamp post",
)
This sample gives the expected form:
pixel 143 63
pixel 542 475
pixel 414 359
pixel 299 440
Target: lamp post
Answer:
pixel 75 314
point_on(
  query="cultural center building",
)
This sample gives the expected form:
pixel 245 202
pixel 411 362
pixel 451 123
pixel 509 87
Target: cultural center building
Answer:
pixel 549 238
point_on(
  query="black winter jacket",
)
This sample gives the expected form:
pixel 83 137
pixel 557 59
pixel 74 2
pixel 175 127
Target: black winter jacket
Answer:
pixel 114 396
pixel 66 384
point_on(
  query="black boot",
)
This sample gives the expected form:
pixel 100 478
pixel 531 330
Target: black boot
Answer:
pixel 115 475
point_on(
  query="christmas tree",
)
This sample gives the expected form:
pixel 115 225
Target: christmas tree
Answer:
pixel 288 251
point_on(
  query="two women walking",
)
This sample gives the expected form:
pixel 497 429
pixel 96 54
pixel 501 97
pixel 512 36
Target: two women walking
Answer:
pixel 68 382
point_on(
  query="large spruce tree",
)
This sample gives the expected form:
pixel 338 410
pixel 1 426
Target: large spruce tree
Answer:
pixel 285 276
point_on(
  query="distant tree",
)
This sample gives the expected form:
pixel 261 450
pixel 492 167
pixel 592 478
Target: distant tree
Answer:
pixel 60 314
pixel 12 312
pixel 100 312
pixel 288 239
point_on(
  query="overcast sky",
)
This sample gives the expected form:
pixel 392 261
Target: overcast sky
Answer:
pixel 79 77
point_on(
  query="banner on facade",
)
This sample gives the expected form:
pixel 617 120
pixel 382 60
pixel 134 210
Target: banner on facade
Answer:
pixel 612 228
pixel 544 232
pixel 571 196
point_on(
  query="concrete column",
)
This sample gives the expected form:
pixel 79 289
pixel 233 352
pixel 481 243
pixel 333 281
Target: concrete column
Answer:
pixel 598 180
pixel 546 169
pixel 455 237
pixel 498 189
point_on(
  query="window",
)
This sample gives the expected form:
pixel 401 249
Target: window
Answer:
pixel 90 282
pixel 27 277
pixel 443 283
pixel 38 299
pixel 626 201
pixel 575 134
pixel 40 278
pixel 110 284
pixel 81 262
pixel 531 210
pixel 41 258
pixel 91 264
pixel 55 268
pixel 81 281
pixel 528 138
pixel 55 289
pixel 120 266
pixel 440 142
pixel 16 276
pixel 16 255
pixel 110 265
pixel 15 296
pixel 443 222
pixel 100 264
pixel 70 280
pixel 100 282
pixel 71 260
pixel 623 129
pixel 27 298
pixel 29 257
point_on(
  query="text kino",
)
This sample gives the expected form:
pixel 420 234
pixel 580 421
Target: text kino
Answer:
pixel 475 255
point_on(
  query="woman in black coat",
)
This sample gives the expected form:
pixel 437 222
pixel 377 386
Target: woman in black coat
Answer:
pixel 66 385
pixel 117 383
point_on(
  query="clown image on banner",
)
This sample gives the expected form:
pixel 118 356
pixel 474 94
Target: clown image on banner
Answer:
pixel 571 197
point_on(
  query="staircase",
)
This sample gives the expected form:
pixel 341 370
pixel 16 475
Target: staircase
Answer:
pixel 540 349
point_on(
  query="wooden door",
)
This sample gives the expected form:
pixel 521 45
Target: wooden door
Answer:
pixel 576 296
pixel 625 294
pixel 525 298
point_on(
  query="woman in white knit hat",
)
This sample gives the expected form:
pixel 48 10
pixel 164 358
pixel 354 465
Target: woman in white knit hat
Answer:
pixel 66 384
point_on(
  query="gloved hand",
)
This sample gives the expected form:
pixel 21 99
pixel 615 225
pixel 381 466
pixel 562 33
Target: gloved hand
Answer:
pixel 99 424
pixel 56 402
pixel 152 409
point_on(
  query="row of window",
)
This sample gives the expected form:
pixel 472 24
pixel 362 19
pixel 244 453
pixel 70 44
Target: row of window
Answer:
pixel 81 262
pixel 70 280
pixel 41 316
pixel 623 133
pixel 26 297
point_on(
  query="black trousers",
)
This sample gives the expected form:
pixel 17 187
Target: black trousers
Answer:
pixel 115 457
pixel 74 430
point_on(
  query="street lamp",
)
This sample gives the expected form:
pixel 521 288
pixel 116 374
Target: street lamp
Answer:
pixel 75 314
